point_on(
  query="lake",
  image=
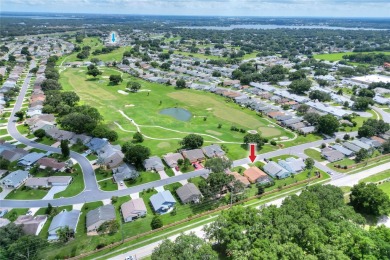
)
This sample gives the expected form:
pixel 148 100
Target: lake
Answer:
pixel 177 113
pixel 274 26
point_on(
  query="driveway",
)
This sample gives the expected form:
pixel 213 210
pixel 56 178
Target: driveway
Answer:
pixel 53 191
pixel 4 193
pixel 159 188
pixel 163 175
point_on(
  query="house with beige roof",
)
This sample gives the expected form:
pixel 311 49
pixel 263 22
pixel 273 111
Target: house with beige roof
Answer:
pixel 133 209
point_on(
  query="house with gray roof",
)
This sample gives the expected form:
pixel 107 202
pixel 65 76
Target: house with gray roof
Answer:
pixel 292 121
pixel 96 217
pixel 31 225
pixel 194 155
pixel 13 155
pixel 96 144
pixel 343 150
pixel 332 155
pixel 275 170
pixel 189 193
pixel 30 159
pixel 63 219
pixel 293 165
pixel 153 163
pixel 172 158
pixel 162 202
pixel 84 139
pixel 360 144
pixel 213 150
pixel 133 209
pixel 124 172
pixel 14 179
pixel 58 134
pixel 352 147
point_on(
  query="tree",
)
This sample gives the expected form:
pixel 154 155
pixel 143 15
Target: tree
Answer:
pixel 78 122
pixel 64 234
pixel 309 163
pixel 184 247
pixel 328 124
pixel 361 155
pixel 366 131
pixel 93 71
pixel 312 118
pixel 300 86
pixel 70 98
pixel 213 186
pixel 135 154
pixel 115 79
pixel 192 141
pixel 156 222
pixel 254 139
pixel 180 83
pixel 49 209
pixel 50 84
pixel 319 95
pixel 218 164
pixel 19 115
pixel 165 66
pixel 138 138
pixel 369 199
pixel 133 86
pixel 216 74
pixel 303 108
pixel 362 103
pixel 40 133
pixel 346 137
pixel 65 148
pixel 373 127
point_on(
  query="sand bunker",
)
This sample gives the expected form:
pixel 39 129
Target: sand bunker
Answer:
pixel 252 132
pixel 130 105
pixel 123 92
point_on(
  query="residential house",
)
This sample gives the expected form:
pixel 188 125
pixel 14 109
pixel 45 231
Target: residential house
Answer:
pixel 343 150
pixel 172 158
pixel 195 155
pixel 124 172
pixel 213 150
pixel 63 219
pixel 31 225
pixel 96 217
pixel 84 139
pixel 14 179
pixel 360 144
pixel 254 174
pixel 51 163
pixel 275 170
pixel 96 144
pixel 352 147
pixel 13 155
pixel 240 178
pixel 30 159
pixel 189 193
pixel 162 202
pixel 332 155
pixel 47 182
pixel 133 209
pixel 293 165
pixel 153 163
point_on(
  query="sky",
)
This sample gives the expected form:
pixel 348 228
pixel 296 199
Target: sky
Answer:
pixel 309 8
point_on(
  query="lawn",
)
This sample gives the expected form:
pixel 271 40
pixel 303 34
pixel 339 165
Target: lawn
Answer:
pixel 27 194
pixel 102 174
pixel 343 162
pixel 108 185
pixel 13 214
pixel 216 109
pixel 282 157
pixel 46 140
pixel 339 55
pixel 385 187
pixel 316 155
pixel 144 177
pixel 24 130
pixel 3 132
pixel 377 177
pixel 76 186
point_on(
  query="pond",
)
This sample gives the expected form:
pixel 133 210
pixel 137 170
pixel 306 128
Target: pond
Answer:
pixel 178 113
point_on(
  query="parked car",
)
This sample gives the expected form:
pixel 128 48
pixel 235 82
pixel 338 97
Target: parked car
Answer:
pixel 121 183
pixel 130 257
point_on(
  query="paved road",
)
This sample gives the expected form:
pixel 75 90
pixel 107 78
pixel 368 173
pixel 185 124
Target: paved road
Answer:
pixel 385 115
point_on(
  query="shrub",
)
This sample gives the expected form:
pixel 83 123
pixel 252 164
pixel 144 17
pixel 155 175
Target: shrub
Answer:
pixel 273 142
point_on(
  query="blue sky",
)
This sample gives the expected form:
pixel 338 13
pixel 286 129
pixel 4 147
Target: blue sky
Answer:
pixel 328 8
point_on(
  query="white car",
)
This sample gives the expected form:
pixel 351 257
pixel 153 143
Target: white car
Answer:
pixel 130 257
pixel 121 183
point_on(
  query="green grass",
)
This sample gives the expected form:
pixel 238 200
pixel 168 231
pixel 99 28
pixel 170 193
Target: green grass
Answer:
pixel 24 130
pixel 46 140
pixel 196 180
pixel 108 185
pixel 377 177
pixel 30 194
pixel 239 169
pixel 282 157
pixel 3 132
pixel 13 214
pixel 75 187
pixel 144 177
pixel 385 187
pixel 316 155
pixel 102 174
pixel 92 157
pixel 172 187
pixel 339 55
pixel 106 98
pixel 78 148
pixel 169 171
pixel 343 162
